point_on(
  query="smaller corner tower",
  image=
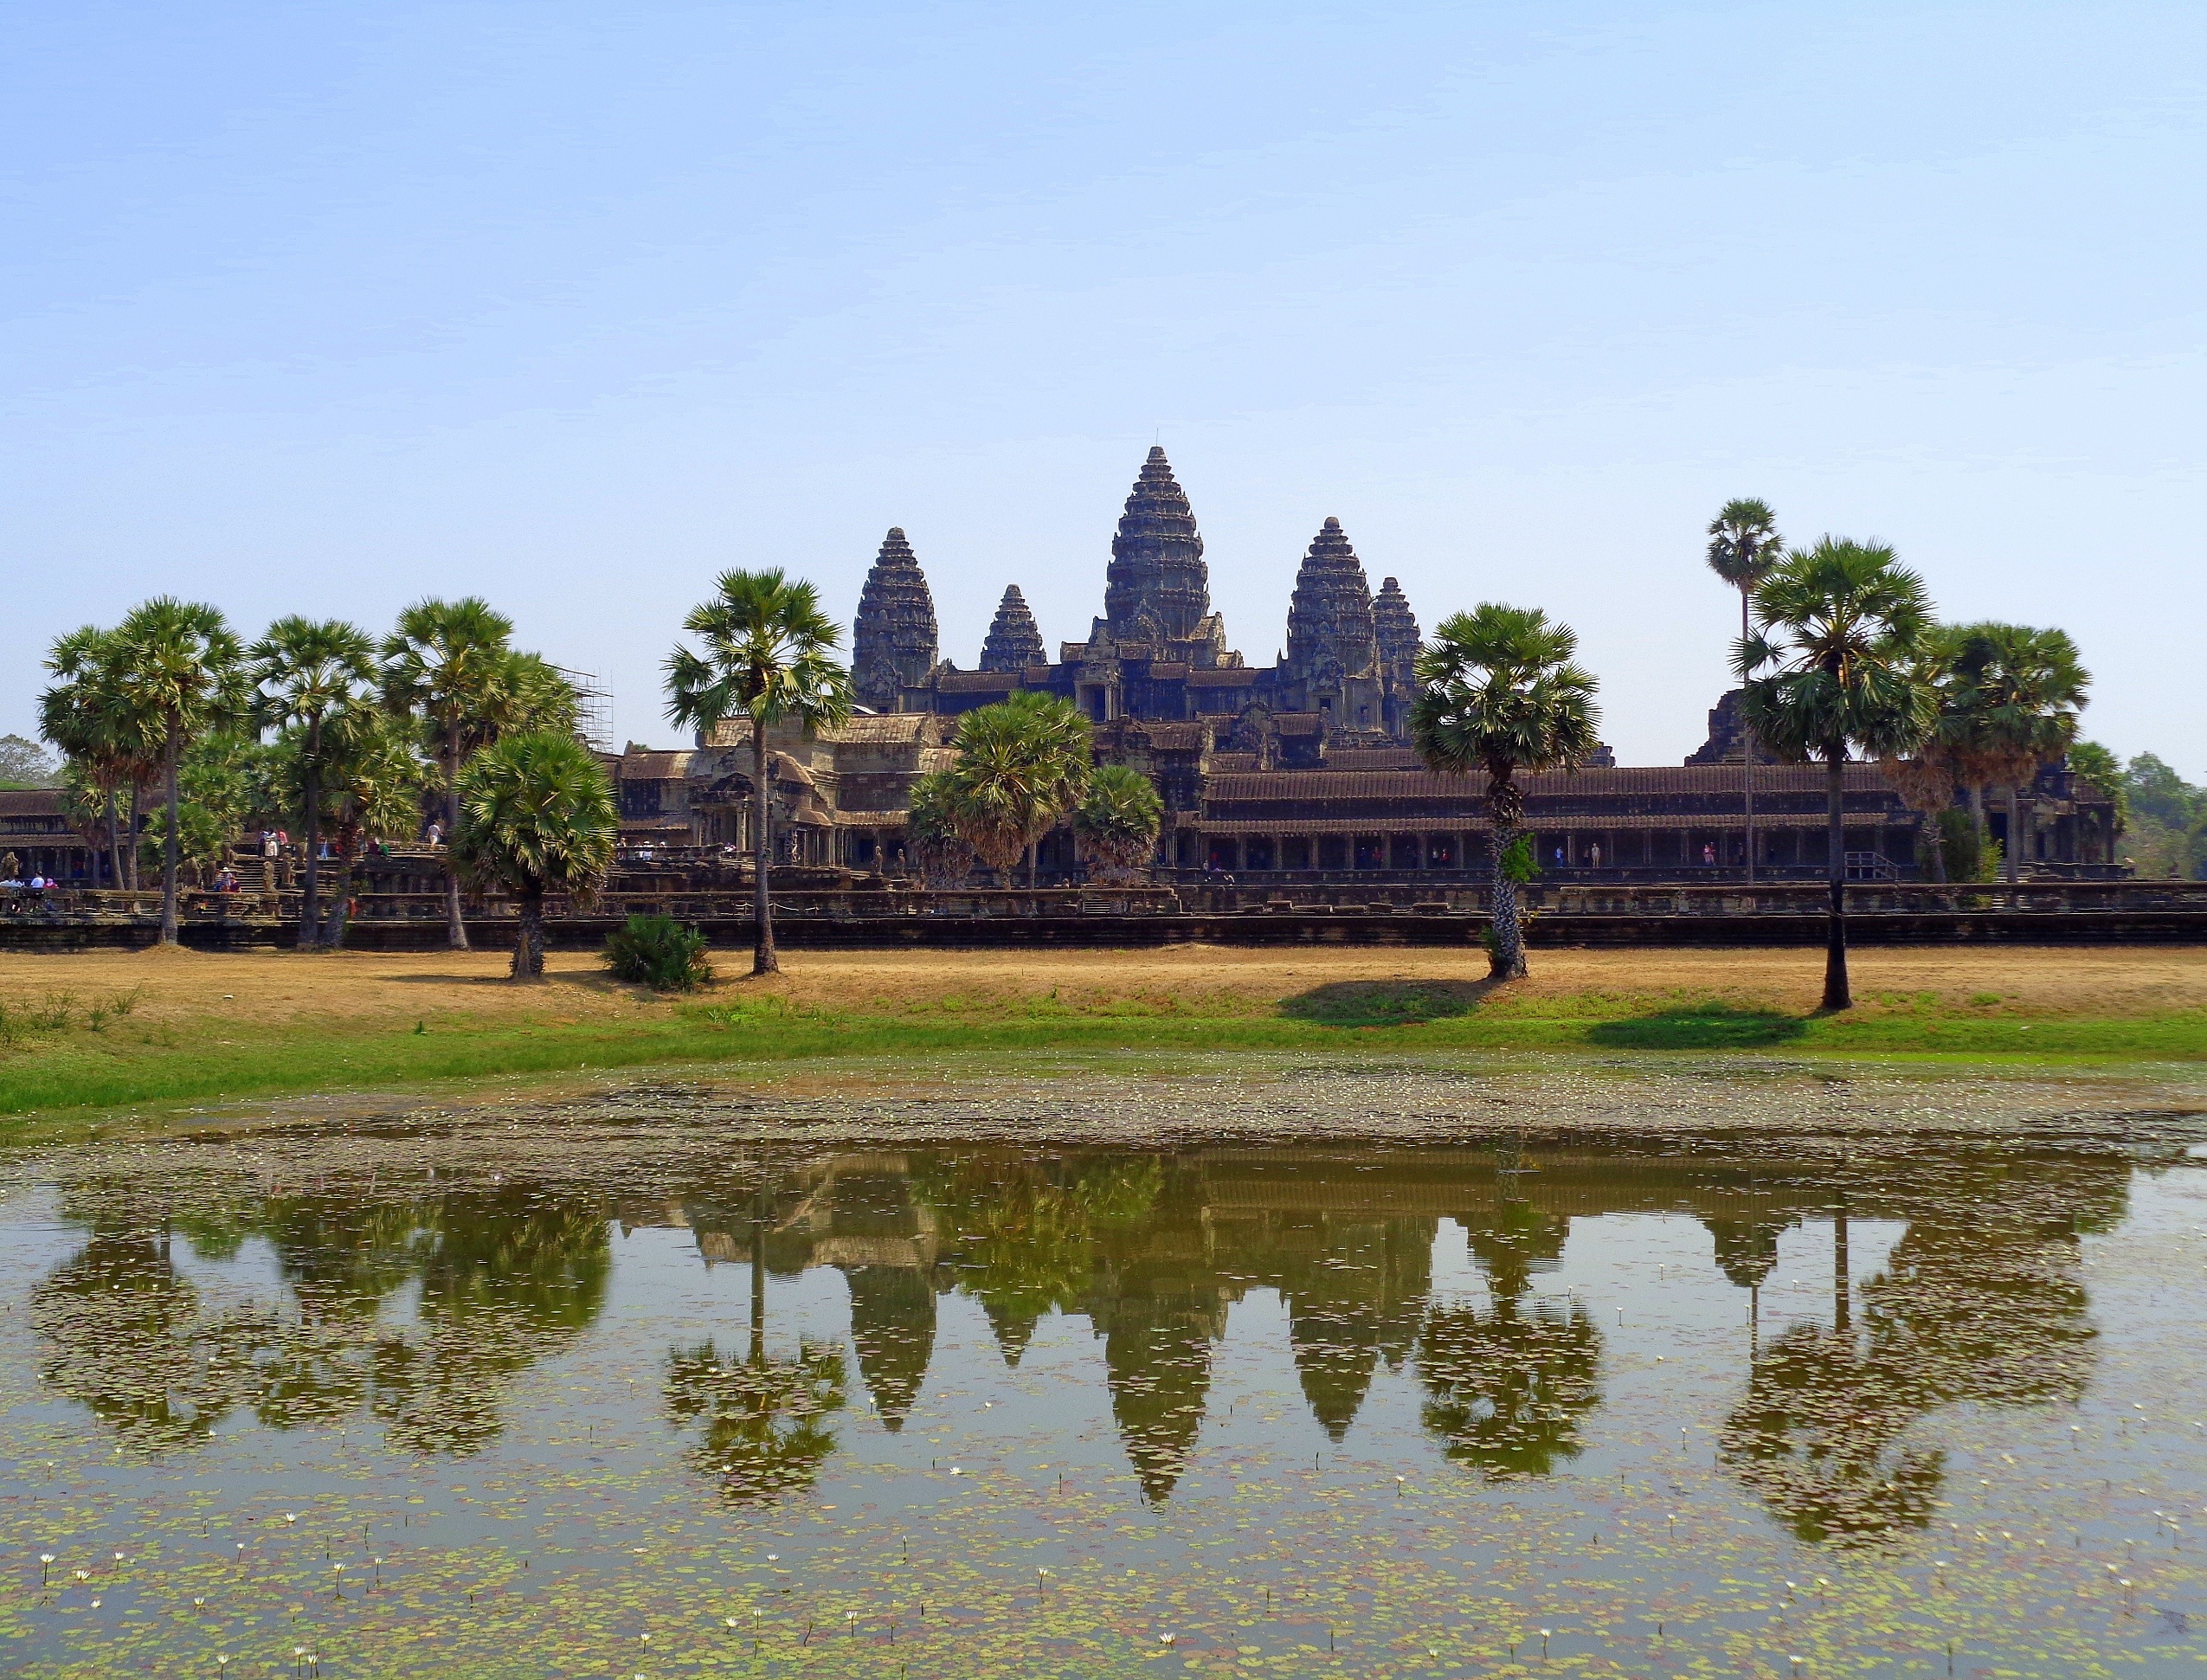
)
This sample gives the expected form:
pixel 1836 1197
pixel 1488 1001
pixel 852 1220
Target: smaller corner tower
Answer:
pixel 1014 642
pixel 1395 627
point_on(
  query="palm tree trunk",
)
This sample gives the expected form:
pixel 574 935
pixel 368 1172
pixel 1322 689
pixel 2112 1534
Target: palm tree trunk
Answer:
pixel 1938 843
pixel 758 1277
pixel 310 883
pixel 331 936
pixel 115 840
pixel 131 828
pixel 2015 833
pixel 170 842
pixel 1031 847
pixel 455 923
pixel 1843 1289
pixel 764 958
pixel 1748 753
pixel 1506 961
pixel 1836 994
pixel 529 938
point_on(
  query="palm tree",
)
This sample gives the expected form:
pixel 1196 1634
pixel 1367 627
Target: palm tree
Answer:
pixel 536 816
pixel 1022 764
pixel 1743 546
pixel 1498 692
pixel 372 777
pixel 1927 776
pixel 2029 693
pixel 1116 824
pixel 768 659
pixel 84 714
pixel 1841 626
pixel 302 672
pixel 449 662
pixel 931 837
pixel 178 675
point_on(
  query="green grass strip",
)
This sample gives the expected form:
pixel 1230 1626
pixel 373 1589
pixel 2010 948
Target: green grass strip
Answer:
pixel 115 1069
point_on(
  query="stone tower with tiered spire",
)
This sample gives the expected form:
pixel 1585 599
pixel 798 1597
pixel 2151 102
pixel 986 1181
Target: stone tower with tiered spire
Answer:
pixel 1395 627
pixel 1157 588
pixel 1333 651
pixel 1014 643
pixel 893 638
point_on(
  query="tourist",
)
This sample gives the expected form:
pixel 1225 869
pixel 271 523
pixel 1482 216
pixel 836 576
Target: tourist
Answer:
pixel 1594 855
pixel 436 835
pixel 1709 855
pixel 10 868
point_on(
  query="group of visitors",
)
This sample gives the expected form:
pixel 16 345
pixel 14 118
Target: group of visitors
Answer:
pixel 15 884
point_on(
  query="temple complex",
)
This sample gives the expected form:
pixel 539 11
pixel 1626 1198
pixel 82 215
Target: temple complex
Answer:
pixel 1297 771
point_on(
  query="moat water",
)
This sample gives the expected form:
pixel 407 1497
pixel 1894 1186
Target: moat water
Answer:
pixel 411 1399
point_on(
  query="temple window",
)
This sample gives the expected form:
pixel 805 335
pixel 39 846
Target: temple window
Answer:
pixel 1295 852
pixel 1333 852
pixel 1371 851
pixel 1257 854
pixel 1403 851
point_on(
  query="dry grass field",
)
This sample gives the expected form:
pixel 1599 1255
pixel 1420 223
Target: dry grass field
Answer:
pixel 369 989
pixel 100 1029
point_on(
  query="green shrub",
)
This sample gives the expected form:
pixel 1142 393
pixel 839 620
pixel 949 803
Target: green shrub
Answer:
pixel 658 952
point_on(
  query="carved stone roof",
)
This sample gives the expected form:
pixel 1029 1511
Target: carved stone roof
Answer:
pixel 641 765
pixel 1329 617
pixel 1158 586
pixel 1324 786
pixel 977 682
pixel 1014 641
pixel 893 638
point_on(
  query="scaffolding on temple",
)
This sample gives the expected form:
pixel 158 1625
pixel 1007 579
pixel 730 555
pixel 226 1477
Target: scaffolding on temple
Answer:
pixel 593 709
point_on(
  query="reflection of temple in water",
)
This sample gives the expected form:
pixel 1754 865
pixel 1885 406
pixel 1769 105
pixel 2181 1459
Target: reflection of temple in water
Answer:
pixel 1981 1300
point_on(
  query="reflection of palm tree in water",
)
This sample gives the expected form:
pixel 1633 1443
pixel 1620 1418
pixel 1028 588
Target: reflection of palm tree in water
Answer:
pixel 1983 1304
pixel 503 1275
pixel 766 1420
pixel 508 1277
pixel 1506 1388
pixel 126 1340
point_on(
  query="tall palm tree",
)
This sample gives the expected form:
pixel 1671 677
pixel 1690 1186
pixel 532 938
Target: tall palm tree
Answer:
pixel 2029 693
pixel 1022 764
pixel 179 675
pixel 769 659
pixel 931 836
pixel 84 714
pixel 1927 776
pixel 302 672
pixel 1499 692
pixel 447 662
pixel 1116 824
pixel 536 816
pixel 1743 546
pixel 1839 628
pixel 372 777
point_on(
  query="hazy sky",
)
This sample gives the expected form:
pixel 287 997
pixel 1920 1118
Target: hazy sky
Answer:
pixel 322 309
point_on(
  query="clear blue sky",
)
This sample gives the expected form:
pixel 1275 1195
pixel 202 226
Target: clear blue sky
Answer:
pixel 321 309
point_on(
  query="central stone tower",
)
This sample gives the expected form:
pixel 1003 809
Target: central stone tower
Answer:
pixel 893 638
pixel 1158 589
